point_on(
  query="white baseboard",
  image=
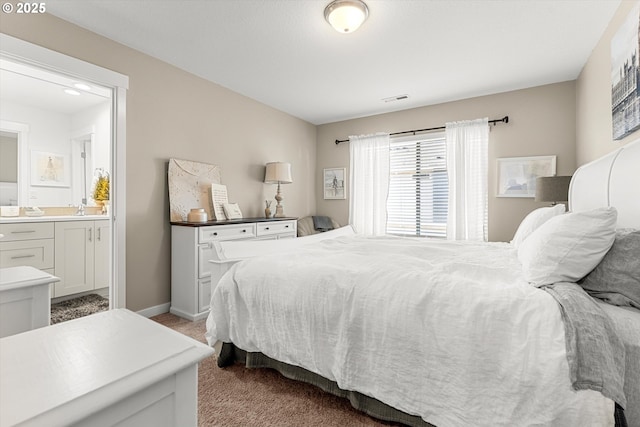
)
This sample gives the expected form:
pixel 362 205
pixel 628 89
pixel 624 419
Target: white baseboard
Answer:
pixel 154 311
pixel 189 316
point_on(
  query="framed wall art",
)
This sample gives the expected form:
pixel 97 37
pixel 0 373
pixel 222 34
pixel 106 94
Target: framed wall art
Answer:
pixel 625 114
pixel 50 169
pixel 517 175
pixel 334 183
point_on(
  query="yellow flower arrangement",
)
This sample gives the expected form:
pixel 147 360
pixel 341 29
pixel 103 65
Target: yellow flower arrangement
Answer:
pixel 101 189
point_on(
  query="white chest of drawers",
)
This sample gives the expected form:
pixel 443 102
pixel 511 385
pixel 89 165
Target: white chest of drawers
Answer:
pixel 191 249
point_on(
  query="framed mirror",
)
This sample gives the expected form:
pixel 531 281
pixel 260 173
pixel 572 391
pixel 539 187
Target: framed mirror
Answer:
pixel 56 132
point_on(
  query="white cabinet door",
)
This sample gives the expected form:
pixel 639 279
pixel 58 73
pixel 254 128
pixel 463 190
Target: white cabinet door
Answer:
pixel 102 248
pixel 74 260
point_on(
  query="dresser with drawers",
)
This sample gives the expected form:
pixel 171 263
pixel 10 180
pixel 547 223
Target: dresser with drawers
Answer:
pixel 191 249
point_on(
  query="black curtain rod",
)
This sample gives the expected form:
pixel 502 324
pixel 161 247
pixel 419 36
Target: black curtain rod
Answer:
pixel 505 119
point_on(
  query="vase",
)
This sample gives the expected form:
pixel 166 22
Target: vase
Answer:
pixel 103 205
pixel 267 213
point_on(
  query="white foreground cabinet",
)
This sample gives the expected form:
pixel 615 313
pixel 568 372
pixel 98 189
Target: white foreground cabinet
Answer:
pixel 191 249
pixel 25 302
pixel 111 368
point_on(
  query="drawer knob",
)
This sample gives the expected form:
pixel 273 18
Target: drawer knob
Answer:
pixel 214 234
pixel 266 228
pixel 244 231
pixel 286 226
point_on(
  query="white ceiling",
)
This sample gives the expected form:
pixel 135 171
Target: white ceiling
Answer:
pixel 37 88
pixel 284 54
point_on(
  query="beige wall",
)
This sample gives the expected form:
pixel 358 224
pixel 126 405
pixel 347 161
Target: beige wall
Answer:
pixel 541 122
pixel 593 97
pixel 171 113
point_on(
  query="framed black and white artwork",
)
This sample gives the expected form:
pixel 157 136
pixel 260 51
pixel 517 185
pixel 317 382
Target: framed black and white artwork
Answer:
pixel 334 183
pixel 625 85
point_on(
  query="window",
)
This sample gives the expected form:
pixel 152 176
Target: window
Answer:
pixel 417 204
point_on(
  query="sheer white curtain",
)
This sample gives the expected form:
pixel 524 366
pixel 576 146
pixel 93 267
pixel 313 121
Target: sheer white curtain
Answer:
pixel 467 167
pixel 369 177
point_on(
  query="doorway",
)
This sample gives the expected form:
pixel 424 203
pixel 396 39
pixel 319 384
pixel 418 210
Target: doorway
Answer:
pixel 45 66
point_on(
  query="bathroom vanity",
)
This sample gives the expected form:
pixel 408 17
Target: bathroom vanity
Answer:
pixel 74 248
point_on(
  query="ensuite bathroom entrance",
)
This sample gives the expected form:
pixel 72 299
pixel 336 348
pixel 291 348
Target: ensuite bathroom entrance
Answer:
pixel 60 130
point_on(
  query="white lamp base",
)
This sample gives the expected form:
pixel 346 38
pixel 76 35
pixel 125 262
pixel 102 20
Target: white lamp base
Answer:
pixel 279 208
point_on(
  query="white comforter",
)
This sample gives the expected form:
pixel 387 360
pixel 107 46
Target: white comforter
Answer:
pixel 448 331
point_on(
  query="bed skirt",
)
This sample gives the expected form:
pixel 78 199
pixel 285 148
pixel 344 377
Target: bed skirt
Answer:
pixel 370 406
pixel 229 354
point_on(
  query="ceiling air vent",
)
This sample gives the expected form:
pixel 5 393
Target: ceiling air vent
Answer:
pixel 395 98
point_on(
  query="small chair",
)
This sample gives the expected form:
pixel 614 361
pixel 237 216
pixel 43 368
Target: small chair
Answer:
pixel 306 228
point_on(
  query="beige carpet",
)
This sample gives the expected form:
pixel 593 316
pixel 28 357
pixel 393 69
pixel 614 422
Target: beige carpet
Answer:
pixel 235 396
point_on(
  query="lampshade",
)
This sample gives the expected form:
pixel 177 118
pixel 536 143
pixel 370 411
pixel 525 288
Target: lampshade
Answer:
pixel 278 173
pixel 552 188
pixel 346 16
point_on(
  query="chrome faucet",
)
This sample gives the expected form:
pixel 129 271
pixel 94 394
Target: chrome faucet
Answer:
pixel 80 211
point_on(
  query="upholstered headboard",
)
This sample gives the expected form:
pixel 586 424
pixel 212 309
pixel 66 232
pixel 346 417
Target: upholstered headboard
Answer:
pixel 612 180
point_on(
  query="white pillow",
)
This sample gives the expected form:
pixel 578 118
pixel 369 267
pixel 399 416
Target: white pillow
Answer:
pixel 534 220
pixel 567 247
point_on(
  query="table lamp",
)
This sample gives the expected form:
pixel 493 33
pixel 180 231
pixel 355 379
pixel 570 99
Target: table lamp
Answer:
pixel 278 173
pixel 552 189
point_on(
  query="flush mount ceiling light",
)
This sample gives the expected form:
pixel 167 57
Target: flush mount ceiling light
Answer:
pixel 396 98
pixel 346 16
pixel 71 92
pixel 82 86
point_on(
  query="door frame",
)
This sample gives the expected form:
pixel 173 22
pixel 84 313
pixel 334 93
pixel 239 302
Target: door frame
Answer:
pixel 22 132
pixel 18 50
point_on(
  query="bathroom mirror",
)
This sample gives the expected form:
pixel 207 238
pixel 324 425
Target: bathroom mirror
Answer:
pixel 55 134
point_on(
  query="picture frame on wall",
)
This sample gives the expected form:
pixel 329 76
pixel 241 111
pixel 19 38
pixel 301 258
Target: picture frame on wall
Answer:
pixel 334 184
pixel 50 169
pixel 625 48
pixel 517 175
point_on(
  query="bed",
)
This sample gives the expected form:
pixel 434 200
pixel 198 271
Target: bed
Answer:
pixel 427 332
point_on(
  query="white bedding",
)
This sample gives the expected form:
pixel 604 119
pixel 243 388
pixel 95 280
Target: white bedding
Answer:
pixel 230 251
pixel 448 331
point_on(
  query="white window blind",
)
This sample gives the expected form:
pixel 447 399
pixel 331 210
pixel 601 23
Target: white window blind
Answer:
pixel 417 203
